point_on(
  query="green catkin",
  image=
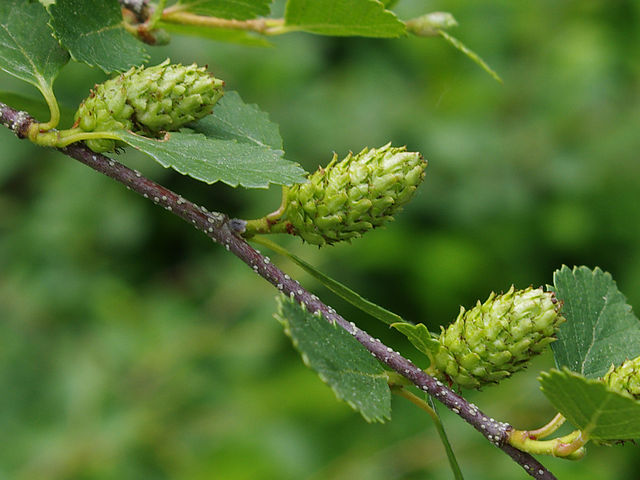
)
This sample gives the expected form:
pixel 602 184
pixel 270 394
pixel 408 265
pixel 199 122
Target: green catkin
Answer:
pixel 345 199
pixel 497 338
pixel 625 378
pixel 148 101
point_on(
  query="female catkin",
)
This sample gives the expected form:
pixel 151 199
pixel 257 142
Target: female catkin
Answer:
pixel 148 101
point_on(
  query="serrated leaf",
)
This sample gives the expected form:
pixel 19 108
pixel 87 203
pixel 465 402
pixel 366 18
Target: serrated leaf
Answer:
pixel 93 32
pixel 235 9
pixel 212 160
pixel 240 37
pixel 365 18
pixel 336 287
pixel 419 336
pixel 338 359
pixel 232 119
pixel 600 329
pixel 36 107
pixel 593 408
pixel 27 48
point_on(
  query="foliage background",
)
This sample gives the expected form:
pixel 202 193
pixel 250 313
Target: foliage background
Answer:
pixel 133 348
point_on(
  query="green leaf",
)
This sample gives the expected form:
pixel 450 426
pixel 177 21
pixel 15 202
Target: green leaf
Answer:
pixel 232 119
pixel 27 48
pixel 419 336
pixel 219 34
pixel 336 287
pixel 36 107
pixel 94 33
pixel 600 329
pixel 237 144
pixel 339 360
pixel 236 9
pixel 366 18
pixel 591 406
pixel 212 160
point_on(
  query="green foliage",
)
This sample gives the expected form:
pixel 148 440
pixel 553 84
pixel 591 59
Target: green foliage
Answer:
pixel 366 18
pixel 589 405
pixel 93 32
pixel 212 160
pixel 237 145
pixel 538 172
pixel 240 10
pixel 601 329
pixel 232 119
pixel 340 361
pixel 24 24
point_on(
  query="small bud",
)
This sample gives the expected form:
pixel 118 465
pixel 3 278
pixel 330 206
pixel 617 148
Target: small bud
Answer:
pixel 148 101
pixel 429 25
pixel 346 199
pixel 625 378
pixel 497 338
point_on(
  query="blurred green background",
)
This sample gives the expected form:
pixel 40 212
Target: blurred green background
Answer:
pixel 131 347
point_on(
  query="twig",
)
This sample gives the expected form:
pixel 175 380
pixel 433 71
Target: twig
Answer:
pixel 264 26
pixel 221 229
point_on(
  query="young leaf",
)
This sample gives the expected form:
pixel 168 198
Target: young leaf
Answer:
pixel 600 329
pixel 365 18
pixel 232 119
pixel 219 34
pixel 212 160
pixel 94 33
pixel 336 287
pixel 27 48
pixel 589 405
pixel 239 10
pixel 338 359
pixel 420 337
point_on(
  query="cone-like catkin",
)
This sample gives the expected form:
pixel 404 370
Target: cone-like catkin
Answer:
pixel 497 338
pixel 625 379
pixel 346 199
pixel 148 101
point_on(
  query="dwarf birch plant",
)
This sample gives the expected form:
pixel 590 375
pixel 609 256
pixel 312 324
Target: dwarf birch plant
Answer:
pixel 178 114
